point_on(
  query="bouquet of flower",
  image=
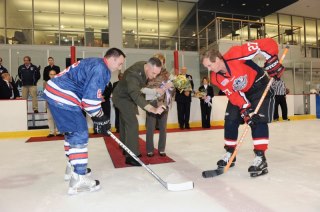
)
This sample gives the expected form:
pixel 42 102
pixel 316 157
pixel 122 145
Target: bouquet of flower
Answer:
pixel 199 94
pixel 181 83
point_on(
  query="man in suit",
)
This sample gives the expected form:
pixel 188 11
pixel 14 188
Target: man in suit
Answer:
pixel 183 100
pixel 105 104
pixel 2 69
pixel 8 89
pixel 127 96
pixel 205 102
pixel 47 69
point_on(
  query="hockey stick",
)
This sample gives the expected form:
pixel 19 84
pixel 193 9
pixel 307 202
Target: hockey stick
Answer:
pixel 219 171
pixel 169 186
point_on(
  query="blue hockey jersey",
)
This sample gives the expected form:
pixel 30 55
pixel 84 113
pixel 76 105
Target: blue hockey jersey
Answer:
pixel 80 86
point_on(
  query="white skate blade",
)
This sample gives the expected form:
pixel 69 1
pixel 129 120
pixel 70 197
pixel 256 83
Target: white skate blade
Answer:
pixel 180 186
pixel 73 191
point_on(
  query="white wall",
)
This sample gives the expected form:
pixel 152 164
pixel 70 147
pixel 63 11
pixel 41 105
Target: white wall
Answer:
pixel 15 119
pixel 13 115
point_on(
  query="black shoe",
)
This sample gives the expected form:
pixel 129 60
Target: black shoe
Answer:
pixel 150 154
pixel 188 128
pixel 50 135
pixel 36 111
pixel 181 128
pixel 162 154
pixel 132 162
pixel 60 135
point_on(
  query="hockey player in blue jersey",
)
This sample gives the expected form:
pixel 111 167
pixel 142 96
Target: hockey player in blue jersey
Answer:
pixel 77 88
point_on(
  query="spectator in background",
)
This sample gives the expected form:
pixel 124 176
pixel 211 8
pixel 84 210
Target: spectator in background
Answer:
pixel 165 98
pixel 52 125
pixel 116 110
pixel 47 69
pixel 206 95
pixel 280 99
pixel 8 89
pixel 2 69
pixel 29 75
pixel 105 104
pixel 162 91
pixel 184 102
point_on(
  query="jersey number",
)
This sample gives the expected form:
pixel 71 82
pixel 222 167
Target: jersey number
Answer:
pixel 252 47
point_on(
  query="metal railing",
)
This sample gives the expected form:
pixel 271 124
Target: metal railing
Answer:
pixel 222 28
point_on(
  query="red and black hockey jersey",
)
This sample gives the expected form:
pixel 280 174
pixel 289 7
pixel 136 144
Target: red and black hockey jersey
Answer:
pixel 241 70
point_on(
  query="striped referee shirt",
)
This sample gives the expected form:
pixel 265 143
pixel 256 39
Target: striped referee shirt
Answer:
pixel 279 87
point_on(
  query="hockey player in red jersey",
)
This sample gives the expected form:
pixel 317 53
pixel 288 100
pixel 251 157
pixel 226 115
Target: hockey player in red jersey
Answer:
pixel 244 82
pixel 77 88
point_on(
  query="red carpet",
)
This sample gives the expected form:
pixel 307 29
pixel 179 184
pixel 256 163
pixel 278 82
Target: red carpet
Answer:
pixel 185 130
pixel 115 151
pixel 118 158
pixel 41 139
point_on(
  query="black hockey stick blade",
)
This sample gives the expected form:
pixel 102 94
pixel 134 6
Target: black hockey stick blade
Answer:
pixel 212 173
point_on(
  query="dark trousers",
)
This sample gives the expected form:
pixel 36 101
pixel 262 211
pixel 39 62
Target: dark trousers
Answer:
pixel 280 100
pixel 117 120
pixel 150 125
pixel 183 109
pixel 106 108
pixel 129 126
pixel 205 114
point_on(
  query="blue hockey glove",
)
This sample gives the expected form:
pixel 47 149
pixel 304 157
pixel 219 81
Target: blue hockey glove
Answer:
pixel 101 124
pixel 249 117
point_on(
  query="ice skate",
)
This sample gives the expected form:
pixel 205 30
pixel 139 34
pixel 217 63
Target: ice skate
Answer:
pixel 259 166
pixel 82 183
pixel 69 169
pixel 226 157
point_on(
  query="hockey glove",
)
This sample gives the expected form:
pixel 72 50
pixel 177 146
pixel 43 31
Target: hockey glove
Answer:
pixel 273 67
pixel 101 124
pixel 250 117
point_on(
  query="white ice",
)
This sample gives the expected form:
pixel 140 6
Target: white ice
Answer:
pixel 31 175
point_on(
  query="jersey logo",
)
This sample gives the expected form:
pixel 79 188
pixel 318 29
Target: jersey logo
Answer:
pixel 99 94
pixel 240 83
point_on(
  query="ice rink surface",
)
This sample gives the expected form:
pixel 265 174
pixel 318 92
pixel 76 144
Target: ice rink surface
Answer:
pixel 31 175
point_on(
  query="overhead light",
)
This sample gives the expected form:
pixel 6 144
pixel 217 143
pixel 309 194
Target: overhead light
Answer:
pixel 193 34
pixel 243 4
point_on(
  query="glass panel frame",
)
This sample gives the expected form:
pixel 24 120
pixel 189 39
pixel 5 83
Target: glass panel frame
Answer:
pixel 46 14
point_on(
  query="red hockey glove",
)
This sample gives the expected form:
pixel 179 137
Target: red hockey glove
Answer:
pixel 101 124
pixel 273 67
pixel 249 117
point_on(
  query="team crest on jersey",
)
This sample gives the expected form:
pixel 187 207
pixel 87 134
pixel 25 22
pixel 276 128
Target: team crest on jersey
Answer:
pixel 99 94
pixel 240 83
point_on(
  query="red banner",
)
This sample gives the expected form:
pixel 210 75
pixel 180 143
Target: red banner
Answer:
pixel 176 62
